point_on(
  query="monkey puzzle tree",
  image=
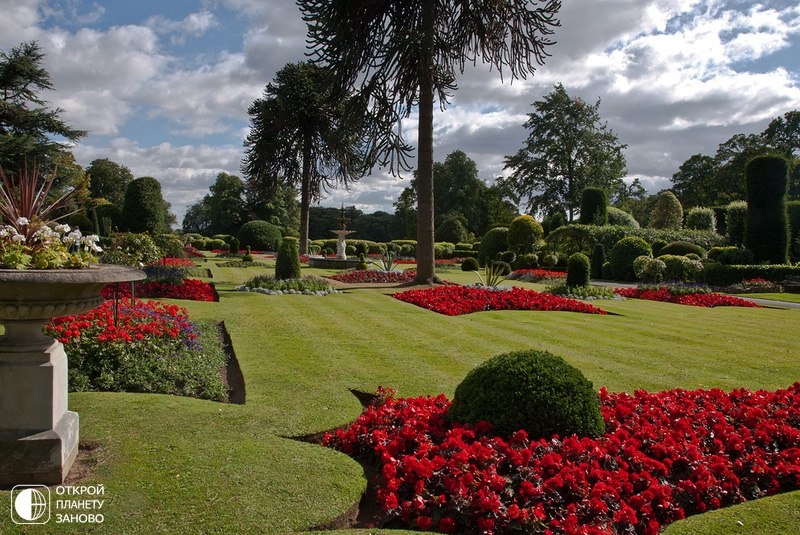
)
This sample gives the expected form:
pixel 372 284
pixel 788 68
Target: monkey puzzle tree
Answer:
pixel 404 55
pixel 306 134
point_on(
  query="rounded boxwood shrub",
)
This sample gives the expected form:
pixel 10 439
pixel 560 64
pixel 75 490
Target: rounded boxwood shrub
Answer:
pixel 287 263
pixel 731 255
pixel 681 268
pixel 260 235
pixel 470 264
pixel 682 248
pixel 621 218
pixel 493 243
pixel 531 390
pixel 524 233
pixel 527 261
pixel 578 270
pixel 624 252
pixel 699 218
pixel 649 269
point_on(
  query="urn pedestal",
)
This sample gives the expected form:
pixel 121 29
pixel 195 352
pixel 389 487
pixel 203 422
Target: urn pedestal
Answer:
pixel 38 435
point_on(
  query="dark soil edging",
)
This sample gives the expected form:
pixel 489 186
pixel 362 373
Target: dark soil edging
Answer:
pixel 366 513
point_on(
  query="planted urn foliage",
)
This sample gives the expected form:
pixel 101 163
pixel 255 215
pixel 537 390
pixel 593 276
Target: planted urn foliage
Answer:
pixel 531 390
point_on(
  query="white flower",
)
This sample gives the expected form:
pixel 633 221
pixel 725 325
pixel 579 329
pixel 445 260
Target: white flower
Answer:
pixel 22 221
pixel 62 229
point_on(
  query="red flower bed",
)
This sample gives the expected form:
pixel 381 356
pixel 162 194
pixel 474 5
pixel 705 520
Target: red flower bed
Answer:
pixel 175 262
pixel 438 261
pixel 140 320
pixel 709 300
pixel 664 456
pixel 454 300
pixel 372 275
pixel 191 289
pixel 536 275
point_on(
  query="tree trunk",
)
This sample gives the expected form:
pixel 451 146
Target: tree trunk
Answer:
pixel 305 202
pixel 426 263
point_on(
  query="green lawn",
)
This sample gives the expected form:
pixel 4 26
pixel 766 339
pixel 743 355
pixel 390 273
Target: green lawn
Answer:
pixel 178 465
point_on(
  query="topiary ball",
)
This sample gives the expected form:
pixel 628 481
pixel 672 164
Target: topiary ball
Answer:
pixel 531 390
pixel 470 264
pixel 624 252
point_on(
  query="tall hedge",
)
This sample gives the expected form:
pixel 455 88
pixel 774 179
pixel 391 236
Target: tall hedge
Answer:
pixel 144 209
pixel 766 230
pixel 736 215
pixel 594 207
pixel 667 213
pixel 699 218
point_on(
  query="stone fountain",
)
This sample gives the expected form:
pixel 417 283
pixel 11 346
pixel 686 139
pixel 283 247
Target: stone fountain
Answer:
pixel 341 261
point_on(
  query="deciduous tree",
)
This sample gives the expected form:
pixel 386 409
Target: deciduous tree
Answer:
pixel 568 149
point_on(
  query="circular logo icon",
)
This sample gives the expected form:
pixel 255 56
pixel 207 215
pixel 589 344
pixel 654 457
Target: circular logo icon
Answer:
pixel 30 504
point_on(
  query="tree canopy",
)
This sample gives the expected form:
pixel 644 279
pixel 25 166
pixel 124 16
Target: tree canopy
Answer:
pixel 28 127
pixel 108 180
pixel 405 55
pixel 306 134
pixel 568 149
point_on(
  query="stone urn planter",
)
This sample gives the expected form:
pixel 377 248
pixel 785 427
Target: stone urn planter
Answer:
pixel 38 435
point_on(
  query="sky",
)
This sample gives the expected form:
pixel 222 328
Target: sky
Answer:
pixel 163 87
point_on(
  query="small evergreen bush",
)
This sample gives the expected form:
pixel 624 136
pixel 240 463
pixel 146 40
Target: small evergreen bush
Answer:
pixel 524 234
pixel 682 248
pixel 260 235
pixel 531 390
pixel 624 252
pixel 766 230
pixel 131 249
pixel 731 255
pixel 287 263
pixel 493 243
pixel 621 218
pixel 470 264
pixel 699 218
pixel 681 268
pixel 649 269
pixel 527 261
pixel 578 270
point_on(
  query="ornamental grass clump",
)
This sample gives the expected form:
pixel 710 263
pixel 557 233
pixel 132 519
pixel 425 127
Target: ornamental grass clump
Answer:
pixel 534 391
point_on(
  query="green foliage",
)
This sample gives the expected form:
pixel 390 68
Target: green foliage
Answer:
pixel 527 261
pixel 624 253
pixel 108 180
pixel 568 149
pixel 681 268
pixel 649 269
pixel 236 246
pixel 508 256
pixel 494 242
pixel 300 285
pixel 144 209
pixel 718 274
pixel 621 218
pixel 386 262
pixel 159 364
pixel 470 264
pixel 170 245
pixel 597 260
pixel 550 260
pixel 682 248
pixel 578 270
pixel 731 255
pixel 287 263
pixel 131 249
pixel 260 236
pixel 699 218
pixel 524 234
pixel 594 207
pixel 667 213
pixel 735 218
pixel 766 230
pixel 494 273
pixel 582 292
pixel 247 257
pixel 531 390
pixel 452 229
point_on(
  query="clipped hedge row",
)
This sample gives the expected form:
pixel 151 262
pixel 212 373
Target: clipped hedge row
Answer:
pixel 721 275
